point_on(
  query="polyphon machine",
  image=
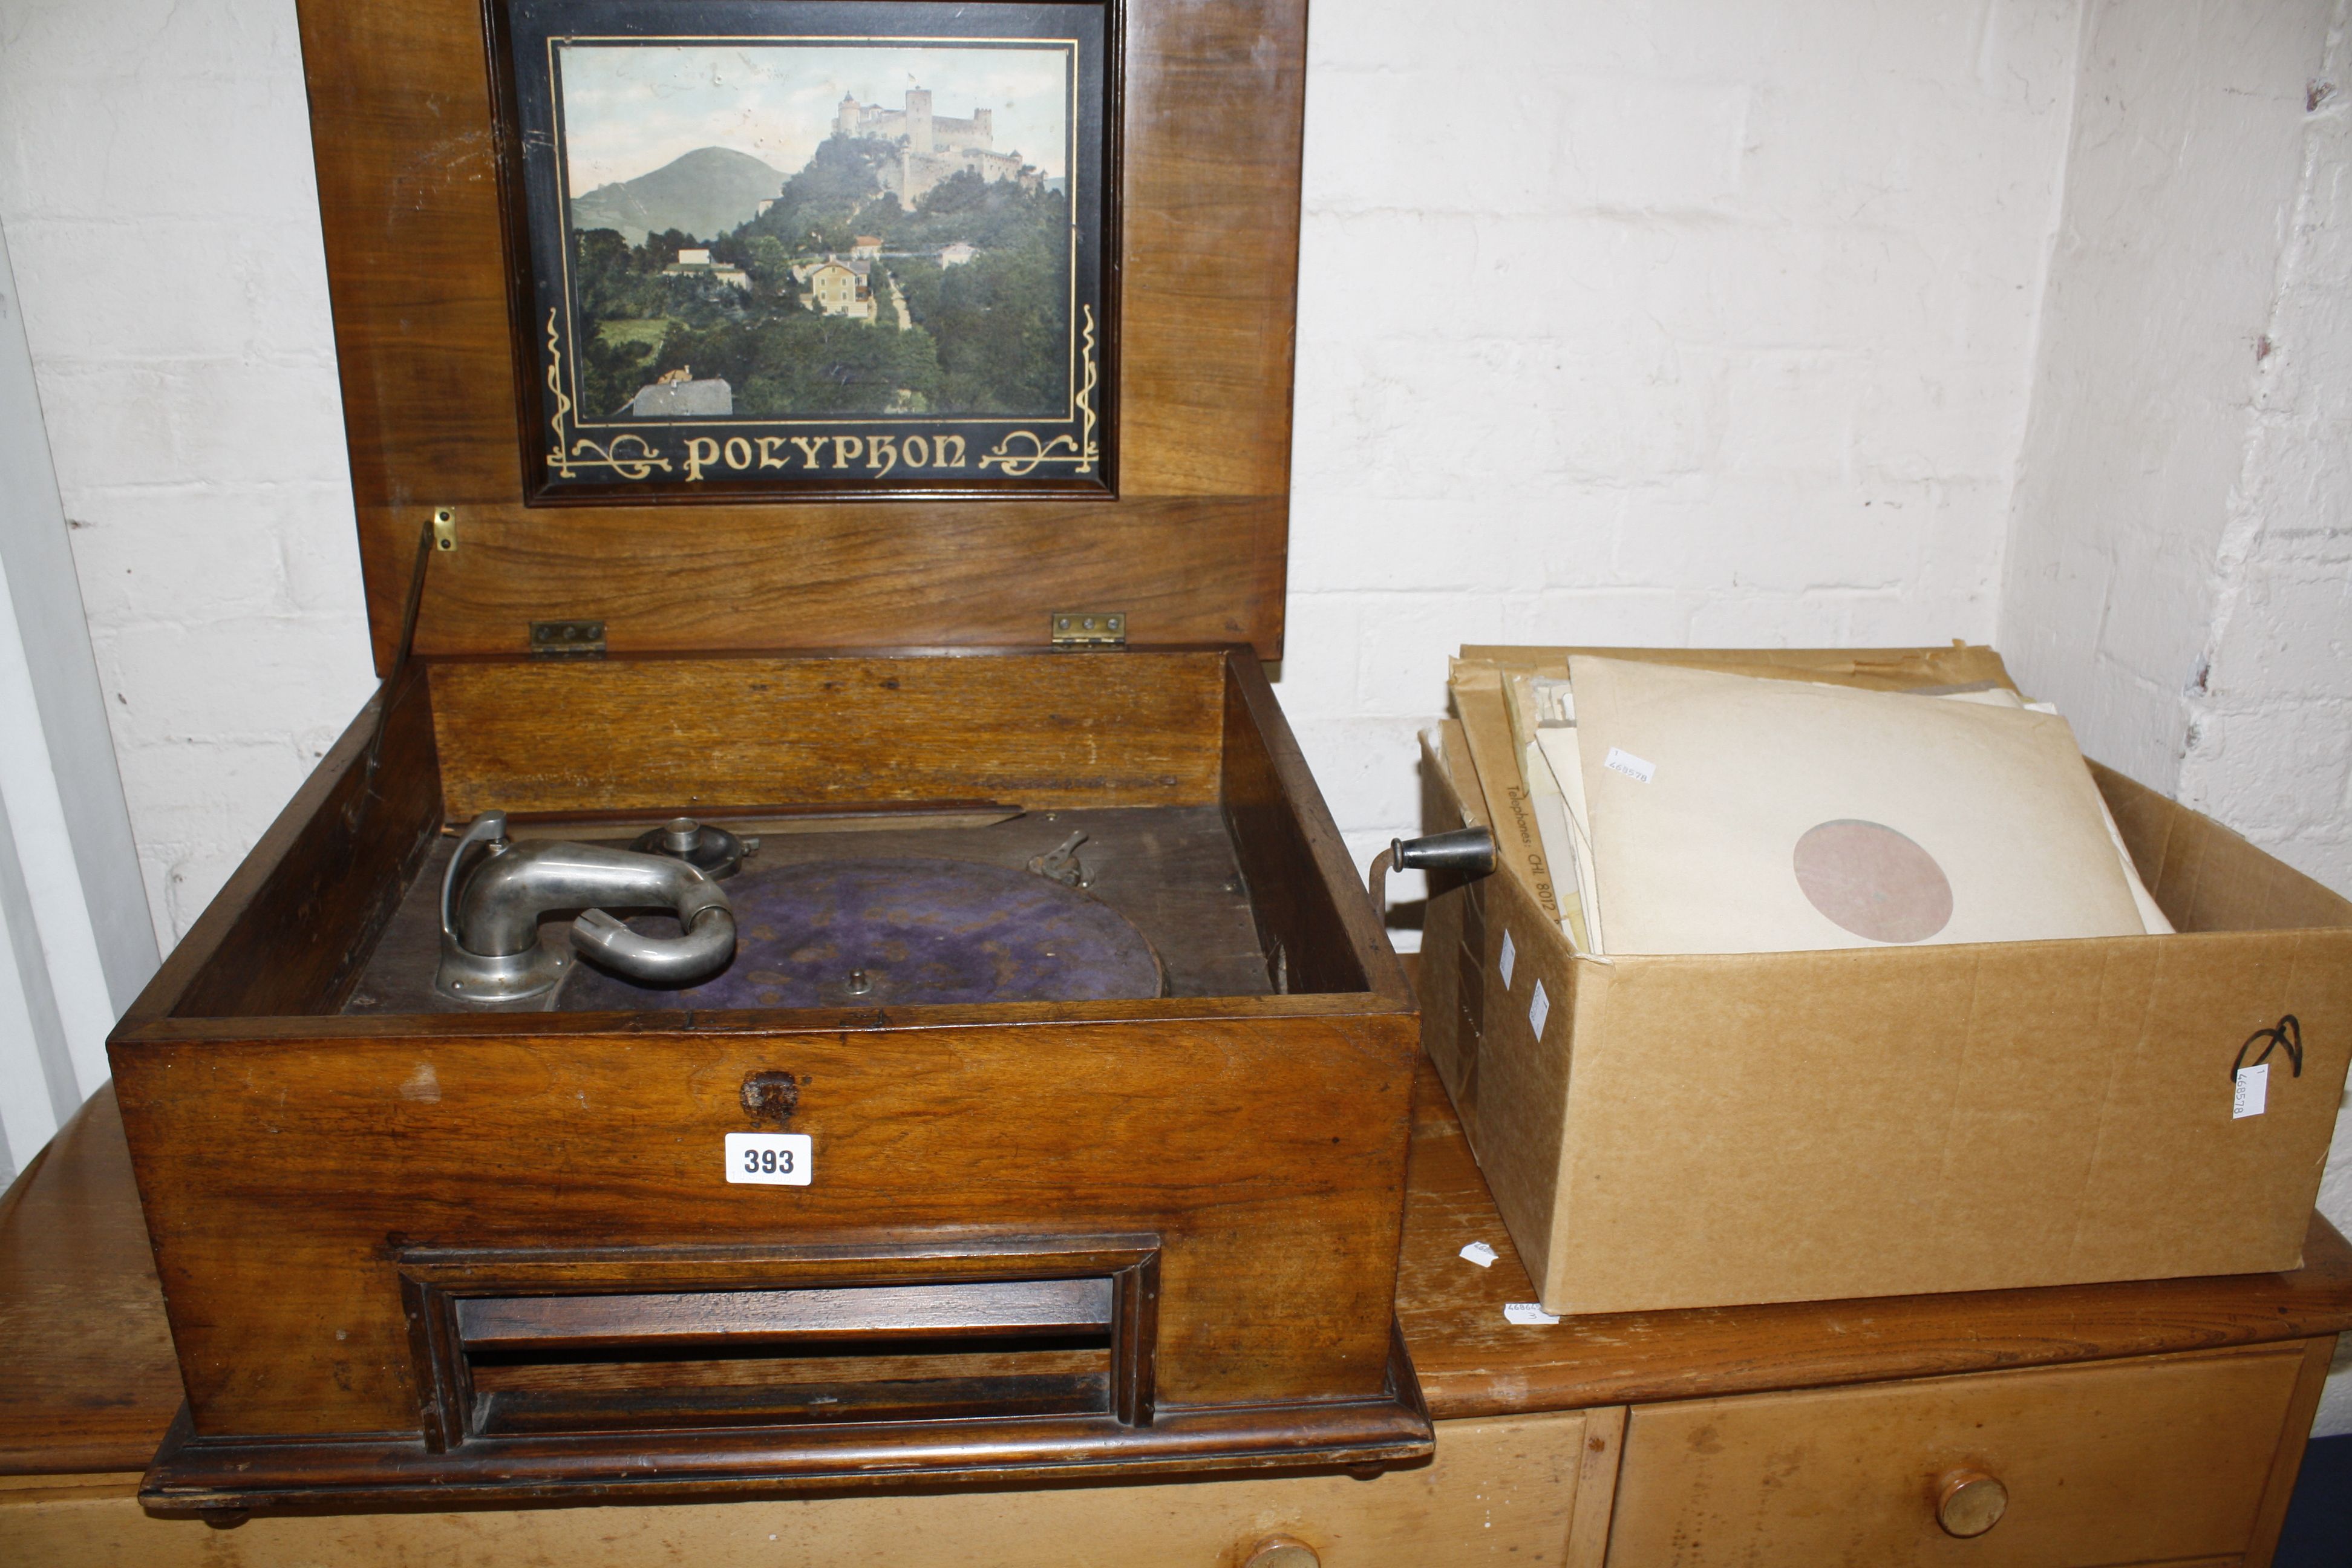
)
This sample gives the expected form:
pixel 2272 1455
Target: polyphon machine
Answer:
pixel 822 965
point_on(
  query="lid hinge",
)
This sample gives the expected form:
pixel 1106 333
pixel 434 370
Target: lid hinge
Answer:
pixel 1089 628
pixel 567 639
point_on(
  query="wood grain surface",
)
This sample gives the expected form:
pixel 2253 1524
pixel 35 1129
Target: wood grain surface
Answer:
pixel 1193 551
pixel 2294 1436
pixel 2133 1461
pixel 1037 730
pixel 1315 927
pixel 91 1379
pixel 1276 1274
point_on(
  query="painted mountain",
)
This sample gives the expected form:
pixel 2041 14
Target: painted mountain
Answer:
pixel 705 192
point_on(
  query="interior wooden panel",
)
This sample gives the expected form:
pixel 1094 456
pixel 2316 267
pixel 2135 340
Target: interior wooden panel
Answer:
pixel 1041 731
pixel 1193 550
pixel 2133 1462
pixel 1197 570
pixel 1297 918
pixel 296 937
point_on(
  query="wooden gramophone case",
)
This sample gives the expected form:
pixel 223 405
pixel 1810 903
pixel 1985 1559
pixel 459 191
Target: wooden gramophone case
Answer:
pixel 436 1255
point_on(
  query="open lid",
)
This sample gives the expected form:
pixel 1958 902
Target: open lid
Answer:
pixel 485 349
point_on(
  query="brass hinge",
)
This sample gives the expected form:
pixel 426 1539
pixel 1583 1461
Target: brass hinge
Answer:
pixel 1089 628
pixel 567 639
pixel 444 528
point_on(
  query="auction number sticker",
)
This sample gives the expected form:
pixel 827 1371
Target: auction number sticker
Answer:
pixel 768 1158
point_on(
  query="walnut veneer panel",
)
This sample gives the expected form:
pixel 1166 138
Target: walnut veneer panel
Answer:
pixel 2139 1461
pixel 611 1140
pixel 1193 550
pixel 1039 730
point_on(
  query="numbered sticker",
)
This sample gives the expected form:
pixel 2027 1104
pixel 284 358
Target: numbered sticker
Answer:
pixel 1639 769
pixel 768 1158
pixel 2251 1091
pixel 1510 958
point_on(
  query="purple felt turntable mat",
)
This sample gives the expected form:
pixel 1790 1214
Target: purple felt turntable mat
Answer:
pixel 917 930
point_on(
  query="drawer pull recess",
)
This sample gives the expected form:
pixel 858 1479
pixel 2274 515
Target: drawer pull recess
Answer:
pixel 546 1365
pixel 1970 1502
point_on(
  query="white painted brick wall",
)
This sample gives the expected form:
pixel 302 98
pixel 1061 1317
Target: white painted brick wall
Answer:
pixel 2267 745
pixel 1738 348
pixel 2179 572
pixel 156 184
pixel 2182 182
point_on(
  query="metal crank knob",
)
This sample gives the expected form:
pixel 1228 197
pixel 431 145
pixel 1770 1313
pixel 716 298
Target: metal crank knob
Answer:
pixel 1466 851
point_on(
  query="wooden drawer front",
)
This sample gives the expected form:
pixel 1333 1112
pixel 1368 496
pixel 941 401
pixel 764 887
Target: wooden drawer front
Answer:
pixel 1500 1491
pixel 2123 1462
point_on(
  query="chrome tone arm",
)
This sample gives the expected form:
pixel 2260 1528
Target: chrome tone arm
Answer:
pixel 490 829
pixel 708 944
pixel 491 949
pixel 499 910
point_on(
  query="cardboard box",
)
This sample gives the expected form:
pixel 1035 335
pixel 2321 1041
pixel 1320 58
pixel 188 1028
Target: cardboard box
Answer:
pixel 1666 1131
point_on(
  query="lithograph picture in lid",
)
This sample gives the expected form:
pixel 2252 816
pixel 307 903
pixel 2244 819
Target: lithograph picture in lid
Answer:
pixel 783 248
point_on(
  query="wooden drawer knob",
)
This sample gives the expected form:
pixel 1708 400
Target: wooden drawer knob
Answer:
pixel 1970 1502
pixel 1282 1552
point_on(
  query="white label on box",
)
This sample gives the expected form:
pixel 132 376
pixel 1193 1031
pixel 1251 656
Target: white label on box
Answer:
pixel 768 1158
pixel 2253 1088
pixel 1510 958
pixel 1538 1011
pixel 1479 1253
pixel 1631 766
pixel 1528 1314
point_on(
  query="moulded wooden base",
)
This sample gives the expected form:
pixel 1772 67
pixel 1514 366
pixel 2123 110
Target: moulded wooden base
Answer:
pixel 194 1474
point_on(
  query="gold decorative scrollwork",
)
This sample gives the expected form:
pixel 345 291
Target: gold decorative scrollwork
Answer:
pixel 617 455
pixel 1060 449
pixel 1065 449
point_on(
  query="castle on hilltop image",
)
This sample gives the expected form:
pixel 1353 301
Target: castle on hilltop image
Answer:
pixel 932 147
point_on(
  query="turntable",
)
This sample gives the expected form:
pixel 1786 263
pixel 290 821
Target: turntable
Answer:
pixel 814 970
